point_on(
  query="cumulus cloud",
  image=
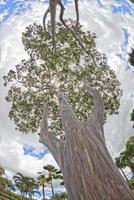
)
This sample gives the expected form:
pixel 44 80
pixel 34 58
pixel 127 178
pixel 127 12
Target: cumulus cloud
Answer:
pixel 11 141
pixel 110 40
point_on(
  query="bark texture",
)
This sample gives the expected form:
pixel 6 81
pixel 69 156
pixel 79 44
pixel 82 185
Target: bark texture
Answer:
pixel 88 169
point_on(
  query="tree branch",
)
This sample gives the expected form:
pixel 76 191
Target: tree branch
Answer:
pixel 74 33
pixel 49 139
pixel 77 12
pixel 52 8
pixel 98 109
pixel 44 18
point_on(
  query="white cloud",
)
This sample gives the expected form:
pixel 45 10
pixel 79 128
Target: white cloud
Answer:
pixel 108 28
pixel 11 141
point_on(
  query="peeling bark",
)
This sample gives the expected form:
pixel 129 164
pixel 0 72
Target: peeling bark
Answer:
pixel 88 169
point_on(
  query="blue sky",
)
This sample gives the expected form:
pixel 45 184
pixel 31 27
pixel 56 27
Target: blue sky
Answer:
pixel 120 6
pixel 30 150
pixel 123 7
pixel 10 6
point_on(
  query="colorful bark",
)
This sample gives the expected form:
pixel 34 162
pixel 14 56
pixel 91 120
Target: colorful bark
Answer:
pixel 88 169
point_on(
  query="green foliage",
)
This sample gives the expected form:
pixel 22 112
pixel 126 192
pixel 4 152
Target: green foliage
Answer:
pixel 132 1
pixel 132 116
pixel 131 57
pixel 131 182
pixel 42 180
pixel 126 158
pixel 7 189
pixel 6 194
pixel 6 184
pixel 61 196
pixel 25 184
pixel 36 80
pixel 53 173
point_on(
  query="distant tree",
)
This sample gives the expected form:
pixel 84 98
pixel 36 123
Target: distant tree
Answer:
pixel 26 185
pixel 126 158
pixel 42 182
pixel 52 173
pixel 32 187
pixel 20 182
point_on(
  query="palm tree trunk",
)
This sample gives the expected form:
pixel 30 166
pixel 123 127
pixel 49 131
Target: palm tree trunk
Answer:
pixel 52 188
pixel 88 169
pixel 22 195
pixel 30 196
pixel 43 191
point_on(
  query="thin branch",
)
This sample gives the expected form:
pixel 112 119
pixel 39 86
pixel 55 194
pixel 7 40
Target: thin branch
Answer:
pixel 44 18
pixel 77 12
pixel 52 8
pixel 76 36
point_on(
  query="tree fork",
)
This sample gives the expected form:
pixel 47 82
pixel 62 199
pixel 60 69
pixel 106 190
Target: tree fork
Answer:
pixel 88 169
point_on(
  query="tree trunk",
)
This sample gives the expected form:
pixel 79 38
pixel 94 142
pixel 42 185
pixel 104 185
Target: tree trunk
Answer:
pixel 88 169
pixel 30 196
pixel 43 192
pixel 89 172
pixel 22 195
pixel 52 188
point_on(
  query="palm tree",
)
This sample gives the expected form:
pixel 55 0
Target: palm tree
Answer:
pixel 19 181
pixel 41 181
pixel 32 187
pixel 53 173
pixel 21 184
pixel 26 185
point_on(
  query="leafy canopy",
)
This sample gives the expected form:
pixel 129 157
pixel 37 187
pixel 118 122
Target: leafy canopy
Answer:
pixel 36 80
pixel 126 158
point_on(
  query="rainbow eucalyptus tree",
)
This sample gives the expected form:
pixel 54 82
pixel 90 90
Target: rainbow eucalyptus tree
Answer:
pixel 52 84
